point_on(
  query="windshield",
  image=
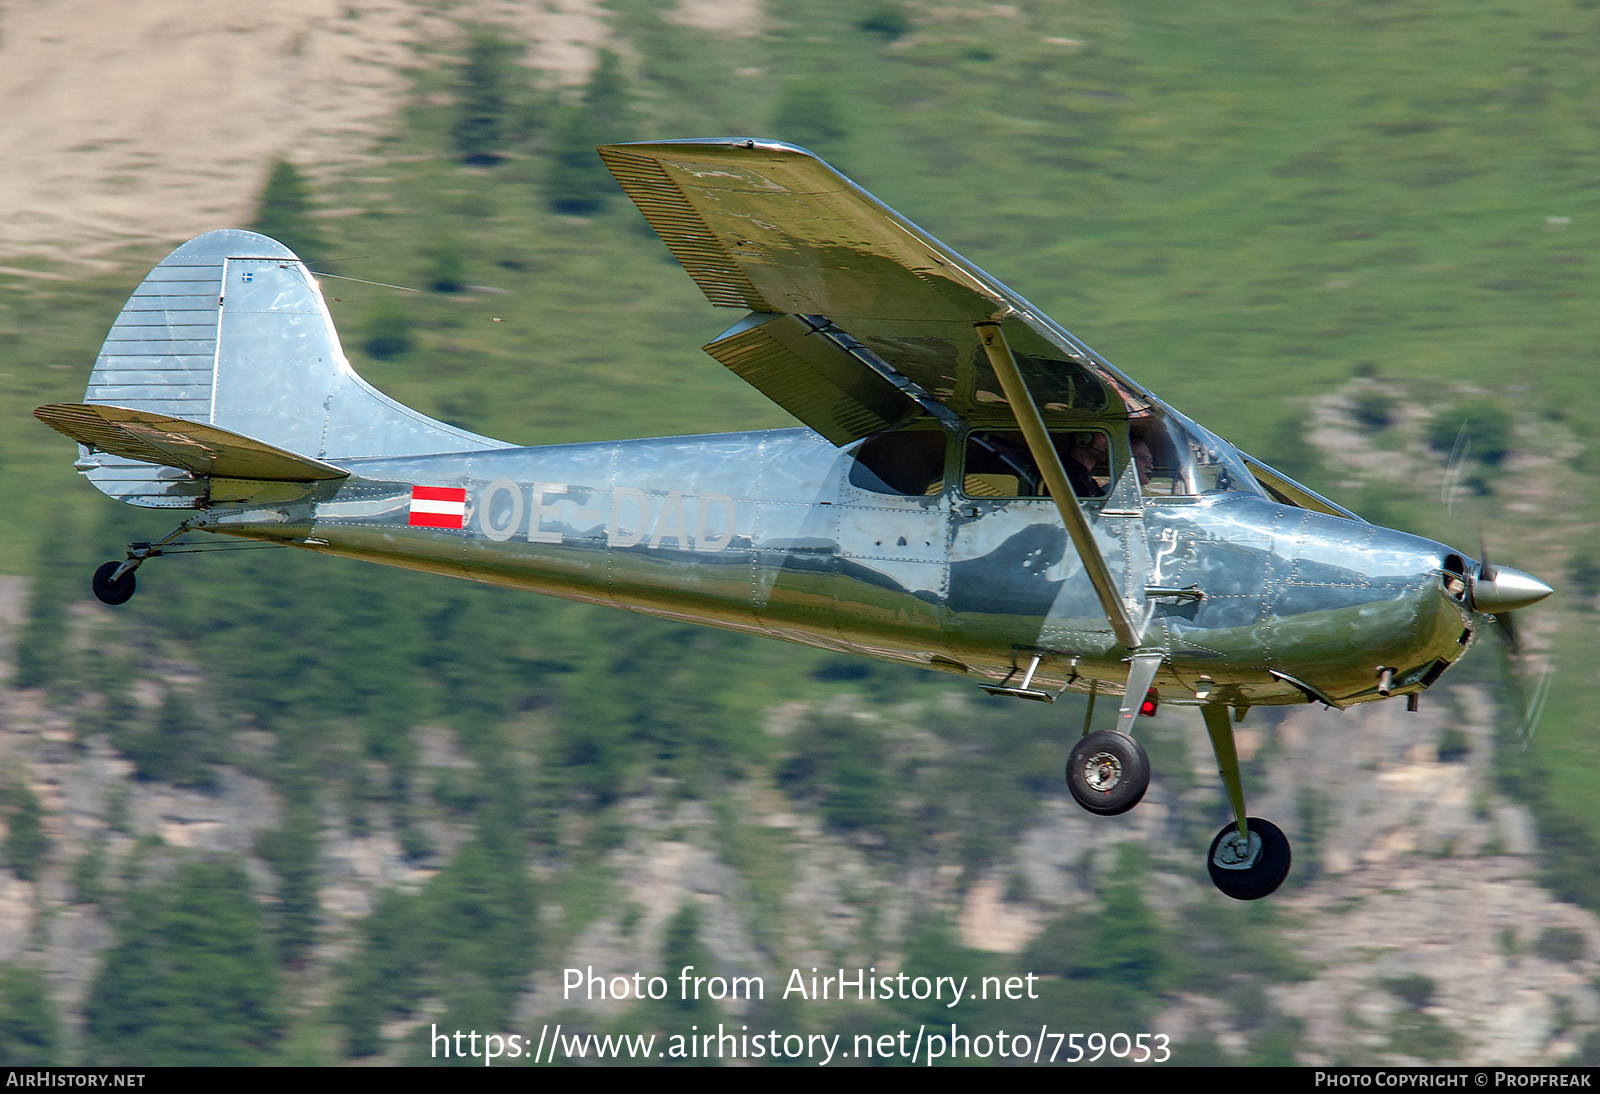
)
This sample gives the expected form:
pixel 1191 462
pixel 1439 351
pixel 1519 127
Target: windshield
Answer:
pixel 1177 457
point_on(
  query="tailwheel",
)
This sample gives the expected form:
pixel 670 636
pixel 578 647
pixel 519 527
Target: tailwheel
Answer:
pixel 111 587
pixel 1249 870
pixel 1108 772
pixel 113 583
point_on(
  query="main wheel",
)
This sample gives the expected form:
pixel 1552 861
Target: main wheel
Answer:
pixel 112 592
pixel 1249 871
pixel 1108 773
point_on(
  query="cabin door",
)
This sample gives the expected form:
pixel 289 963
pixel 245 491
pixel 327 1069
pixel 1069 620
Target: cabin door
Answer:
pixel 1017 585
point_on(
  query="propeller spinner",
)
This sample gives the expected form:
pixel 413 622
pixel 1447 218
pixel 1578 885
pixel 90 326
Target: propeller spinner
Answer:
pixel 1498 589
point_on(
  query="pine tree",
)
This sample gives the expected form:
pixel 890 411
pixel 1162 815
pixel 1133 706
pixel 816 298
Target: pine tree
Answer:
pixel 605 98
pixel 383 978
pixel 483 922
pixel 26 842
pixel 388 332
pixel 30 1028
pixel 682 948
pixel 577 182
pixel 44 649
pixel 483 99
pixel 446 265
pixel 190 980
pixel 285 211
pixel 292 853
pixel 888 21
pixel 178 746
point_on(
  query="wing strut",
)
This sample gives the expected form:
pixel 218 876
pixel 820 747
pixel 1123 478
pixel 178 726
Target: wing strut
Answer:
pixel 1055 480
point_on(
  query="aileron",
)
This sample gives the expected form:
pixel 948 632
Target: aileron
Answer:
pixel 690 239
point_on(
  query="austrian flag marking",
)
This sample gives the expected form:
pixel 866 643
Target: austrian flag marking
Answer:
pixel 438 506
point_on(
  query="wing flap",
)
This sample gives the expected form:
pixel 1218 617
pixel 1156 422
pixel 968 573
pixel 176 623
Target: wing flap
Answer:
pixel 812 376
pixel 176 442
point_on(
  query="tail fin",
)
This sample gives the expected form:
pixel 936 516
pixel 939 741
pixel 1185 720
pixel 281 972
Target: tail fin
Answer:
pixel 231 330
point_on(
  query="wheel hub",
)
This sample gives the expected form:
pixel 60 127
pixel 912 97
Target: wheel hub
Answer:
pixel 1102 772
pixel 1236 853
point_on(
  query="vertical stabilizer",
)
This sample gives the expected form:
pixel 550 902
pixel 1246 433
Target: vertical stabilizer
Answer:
pixel 231 330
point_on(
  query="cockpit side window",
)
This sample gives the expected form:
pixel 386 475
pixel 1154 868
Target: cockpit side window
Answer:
pixel 997 464
pixel 1155 457
pixel 1176 457
pixel 909 462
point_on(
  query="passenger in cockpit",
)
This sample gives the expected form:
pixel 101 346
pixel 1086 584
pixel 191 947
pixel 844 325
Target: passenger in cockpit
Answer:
pixel 1144 460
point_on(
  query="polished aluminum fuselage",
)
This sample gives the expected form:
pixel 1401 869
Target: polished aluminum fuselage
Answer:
pixel 764 532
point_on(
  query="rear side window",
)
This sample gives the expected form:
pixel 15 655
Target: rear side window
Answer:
pixel 910 462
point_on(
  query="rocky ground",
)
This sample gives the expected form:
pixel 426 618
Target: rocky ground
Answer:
pixel 1414 908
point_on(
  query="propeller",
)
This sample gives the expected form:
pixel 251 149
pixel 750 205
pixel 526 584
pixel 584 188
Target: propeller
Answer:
pixel 1452 472
pixel 1535 706
pixel 1498 591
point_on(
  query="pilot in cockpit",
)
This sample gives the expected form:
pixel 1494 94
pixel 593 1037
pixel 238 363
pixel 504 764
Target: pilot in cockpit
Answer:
pixel 1087 456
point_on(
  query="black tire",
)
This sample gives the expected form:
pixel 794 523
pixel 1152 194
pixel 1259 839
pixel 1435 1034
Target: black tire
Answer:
pixel 112 592
pixel 1108 773
pixel 1261 877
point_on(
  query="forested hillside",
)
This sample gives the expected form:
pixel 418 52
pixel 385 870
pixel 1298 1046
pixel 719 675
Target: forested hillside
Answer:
pixel 280 808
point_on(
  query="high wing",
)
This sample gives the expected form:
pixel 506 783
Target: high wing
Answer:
pixel 862 320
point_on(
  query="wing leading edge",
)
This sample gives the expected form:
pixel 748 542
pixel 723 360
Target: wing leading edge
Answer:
pixel 888 311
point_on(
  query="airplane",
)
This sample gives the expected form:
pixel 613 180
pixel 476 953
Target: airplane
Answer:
pixel 974 490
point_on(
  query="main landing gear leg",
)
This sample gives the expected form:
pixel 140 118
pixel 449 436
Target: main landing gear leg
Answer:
pixel 1108 771
pixel 1250 857
pixel 113 582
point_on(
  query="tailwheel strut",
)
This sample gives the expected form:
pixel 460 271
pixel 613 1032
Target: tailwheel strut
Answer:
pixel 113 583
pixel 1250 857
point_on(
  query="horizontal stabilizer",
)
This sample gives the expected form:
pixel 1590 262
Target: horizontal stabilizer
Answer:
pixel 175 442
